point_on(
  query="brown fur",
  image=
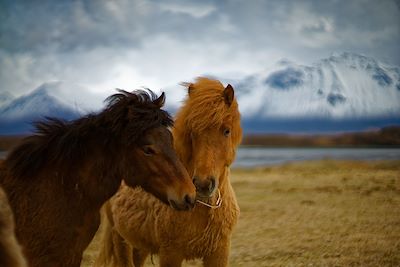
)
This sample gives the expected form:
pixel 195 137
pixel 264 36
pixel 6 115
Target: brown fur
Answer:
pixel 58 179
pixel 137 223
pixel 10 250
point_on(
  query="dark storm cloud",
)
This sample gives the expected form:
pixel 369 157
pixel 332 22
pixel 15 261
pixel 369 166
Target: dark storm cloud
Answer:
pixel 65 25
pixel 303 26
pixel 68 25
pixel 397 3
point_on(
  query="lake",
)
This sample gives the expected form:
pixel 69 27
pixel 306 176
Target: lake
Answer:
pixel 260 156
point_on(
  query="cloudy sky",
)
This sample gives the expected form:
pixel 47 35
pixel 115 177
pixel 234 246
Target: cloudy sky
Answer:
pixel 128 44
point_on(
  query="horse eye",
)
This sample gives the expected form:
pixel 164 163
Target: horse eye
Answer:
pixel 147 150
pixel 227 132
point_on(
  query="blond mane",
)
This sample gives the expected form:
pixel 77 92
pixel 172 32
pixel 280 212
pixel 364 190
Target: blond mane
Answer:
pixel 206 108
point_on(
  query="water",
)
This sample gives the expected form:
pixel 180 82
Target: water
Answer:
pixel 260 156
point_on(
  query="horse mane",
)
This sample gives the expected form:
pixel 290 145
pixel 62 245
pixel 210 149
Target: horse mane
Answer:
pixel 205 107
pixel 65 144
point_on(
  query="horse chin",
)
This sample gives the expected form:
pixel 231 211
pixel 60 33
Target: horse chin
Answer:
pixel 204 197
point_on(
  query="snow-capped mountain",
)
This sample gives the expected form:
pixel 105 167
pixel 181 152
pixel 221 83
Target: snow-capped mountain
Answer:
pixel 53 99
pixel 343 86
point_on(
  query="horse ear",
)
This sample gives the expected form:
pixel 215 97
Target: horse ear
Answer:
pixel 190 88
pixel 229 94
pixel 160 100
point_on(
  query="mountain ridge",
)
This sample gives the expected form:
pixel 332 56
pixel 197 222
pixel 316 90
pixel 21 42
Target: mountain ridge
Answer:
pixel 341 86
pixel 344 92
pixel 51 99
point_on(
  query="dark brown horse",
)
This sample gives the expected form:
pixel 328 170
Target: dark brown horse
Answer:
pixel 58 178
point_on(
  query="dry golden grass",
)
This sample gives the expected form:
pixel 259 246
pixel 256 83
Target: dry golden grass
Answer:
pixel 324 213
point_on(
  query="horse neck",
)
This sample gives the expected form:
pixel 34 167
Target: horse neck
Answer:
pixel 96 173
pixel 101 155
pixel 101 176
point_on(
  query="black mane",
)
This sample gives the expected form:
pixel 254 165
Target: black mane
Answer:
pixel 64 144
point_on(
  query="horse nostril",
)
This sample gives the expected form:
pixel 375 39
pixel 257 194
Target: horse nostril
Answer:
pixel 195 180
pixel 204 185
pixel 211 186
pixel 189 201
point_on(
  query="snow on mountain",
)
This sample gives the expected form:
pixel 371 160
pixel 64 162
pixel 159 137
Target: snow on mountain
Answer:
pixel 53 99
pixel 342 86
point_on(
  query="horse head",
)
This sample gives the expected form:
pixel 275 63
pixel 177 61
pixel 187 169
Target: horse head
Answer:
pixel 212 132
pixel 148 149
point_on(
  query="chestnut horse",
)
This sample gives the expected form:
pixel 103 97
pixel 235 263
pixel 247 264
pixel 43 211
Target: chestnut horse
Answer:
pixel 206 134
pixel 58 179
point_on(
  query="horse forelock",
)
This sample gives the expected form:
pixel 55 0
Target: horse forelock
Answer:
pixel 136 112
pixel 139 98
pixel 205 108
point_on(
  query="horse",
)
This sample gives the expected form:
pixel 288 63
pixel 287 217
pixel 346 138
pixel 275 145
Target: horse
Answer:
pixel 10 250
pixel 206 134
pixel 58 178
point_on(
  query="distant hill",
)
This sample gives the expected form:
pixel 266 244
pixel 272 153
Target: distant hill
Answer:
pixel 54 99
pixel 387 137
pixel 345 92
pixel 342 86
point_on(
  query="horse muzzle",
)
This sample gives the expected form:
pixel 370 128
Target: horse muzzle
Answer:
pixel 205 188
pixel 186 204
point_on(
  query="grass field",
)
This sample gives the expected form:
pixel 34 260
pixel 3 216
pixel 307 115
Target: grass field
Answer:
pixel 323 213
